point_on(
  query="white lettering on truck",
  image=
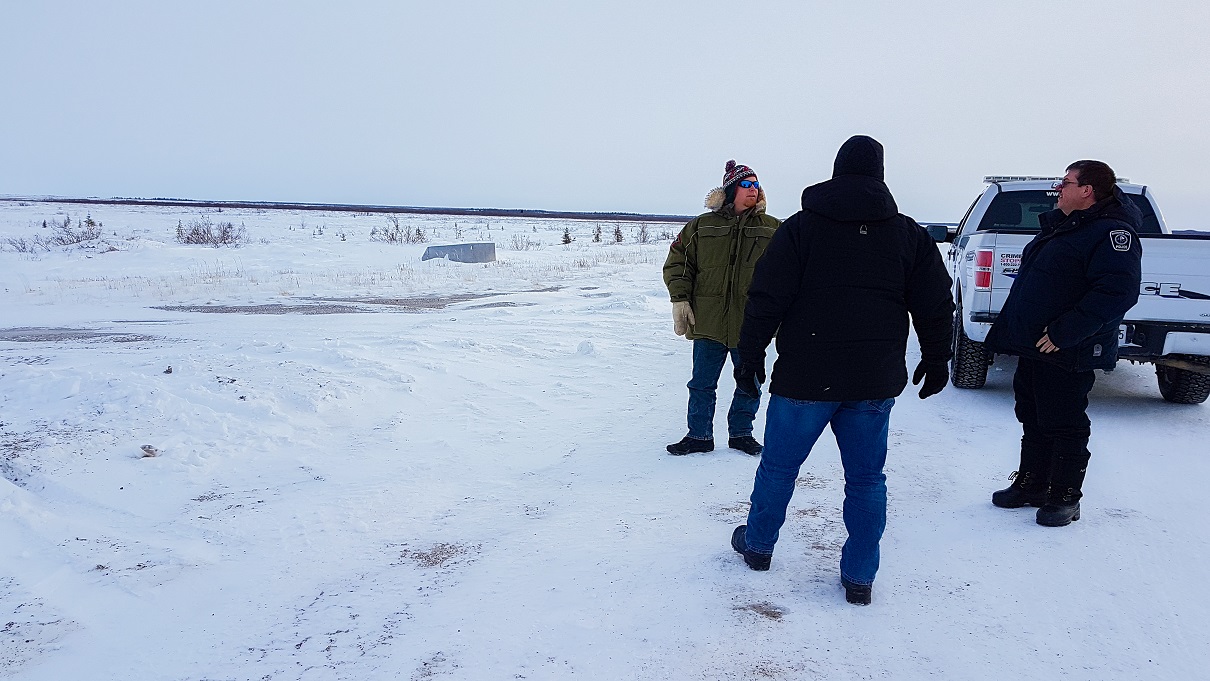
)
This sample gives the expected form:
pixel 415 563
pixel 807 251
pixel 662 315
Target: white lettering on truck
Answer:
pixel 1151 288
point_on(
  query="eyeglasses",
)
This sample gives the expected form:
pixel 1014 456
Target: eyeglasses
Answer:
pixel 1062 183
pixel 748 184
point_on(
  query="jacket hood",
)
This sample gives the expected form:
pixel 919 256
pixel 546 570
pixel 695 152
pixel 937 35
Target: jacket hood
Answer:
pixel 859 155
pixel 1118 207
pixel 714 200
pixel 850 198
pixel 1115 207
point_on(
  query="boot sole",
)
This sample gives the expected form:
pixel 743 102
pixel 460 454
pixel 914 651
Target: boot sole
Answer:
pixel 1021 505
pixel 688 451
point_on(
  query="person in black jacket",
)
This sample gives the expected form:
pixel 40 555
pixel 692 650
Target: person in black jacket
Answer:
pixel 837 284
pixel 1077 279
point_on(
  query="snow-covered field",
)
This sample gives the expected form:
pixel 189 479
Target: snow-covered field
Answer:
pixel 459 473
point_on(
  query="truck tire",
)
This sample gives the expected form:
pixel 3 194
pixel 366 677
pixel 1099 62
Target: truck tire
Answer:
pixel 1182 386
pixel 968 369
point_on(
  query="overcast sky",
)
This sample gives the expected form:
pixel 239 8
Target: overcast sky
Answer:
pixel 619 106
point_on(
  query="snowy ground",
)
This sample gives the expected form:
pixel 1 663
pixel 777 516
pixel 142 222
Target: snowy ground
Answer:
pixel 476 488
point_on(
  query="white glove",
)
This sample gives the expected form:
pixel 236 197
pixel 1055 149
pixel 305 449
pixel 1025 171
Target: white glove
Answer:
pixel 682 317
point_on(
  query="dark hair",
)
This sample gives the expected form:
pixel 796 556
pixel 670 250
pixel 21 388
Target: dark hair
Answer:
pixel 1097 174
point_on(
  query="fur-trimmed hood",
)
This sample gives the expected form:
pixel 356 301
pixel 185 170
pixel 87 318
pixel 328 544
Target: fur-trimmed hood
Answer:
pixel 714 200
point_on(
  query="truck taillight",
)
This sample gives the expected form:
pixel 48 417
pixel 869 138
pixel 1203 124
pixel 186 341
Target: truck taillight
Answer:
pixel 983 269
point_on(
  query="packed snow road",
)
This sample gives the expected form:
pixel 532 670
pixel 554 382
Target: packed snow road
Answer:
pixel 478 489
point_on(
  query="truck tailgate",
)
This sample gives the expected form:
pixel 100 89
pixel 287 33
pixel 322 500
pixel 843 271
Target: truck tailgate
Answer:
pixel 1176 280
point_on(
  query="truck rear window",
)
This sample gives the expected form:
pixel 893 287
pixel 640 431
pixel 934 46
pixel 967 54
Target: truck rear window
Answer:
pixel 1019 210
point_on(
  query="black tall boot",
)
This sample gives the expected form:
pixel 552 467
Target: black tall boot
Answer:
pixel 1030 480
pixel 1063 503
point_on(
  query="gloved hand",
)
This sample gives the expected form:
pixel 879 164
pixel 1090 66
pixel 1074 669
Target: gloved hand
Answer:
pixel 748 378
pixel 682 317
pixel 935 375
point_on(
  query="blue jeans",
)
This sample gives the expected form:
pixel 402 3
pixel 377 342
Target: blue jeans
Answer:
pixel 708 360
pixel 791 429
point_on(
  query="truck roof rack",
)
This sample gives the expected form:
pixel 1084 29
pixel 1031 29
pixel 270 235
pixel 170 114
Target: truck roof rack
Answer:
pixel 1018 178
pixel 1025 178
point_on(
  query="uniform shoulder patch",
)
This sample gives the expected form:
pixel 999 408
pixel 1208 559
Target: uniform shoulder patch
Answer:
pixel 1120 239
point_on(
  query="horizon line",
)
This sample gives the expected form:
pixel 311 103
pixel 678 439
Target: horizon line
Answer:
pixel 616 216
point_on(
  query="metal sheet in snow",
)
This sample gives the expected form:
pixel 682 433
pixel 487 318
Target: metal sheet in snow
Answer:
pixel 474 252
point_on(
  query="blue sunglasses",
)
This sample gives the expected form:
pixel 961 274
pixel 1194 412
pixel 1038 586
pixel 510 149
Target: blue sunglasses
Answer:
pixel 748 184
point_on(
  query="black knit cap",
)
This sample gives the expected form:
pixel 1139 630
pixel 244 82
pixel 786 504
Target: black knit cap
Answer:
pixel 859 155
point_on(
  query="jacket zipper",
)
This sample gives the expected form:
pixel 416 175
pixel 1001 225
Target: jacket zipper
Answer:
pixel 739 231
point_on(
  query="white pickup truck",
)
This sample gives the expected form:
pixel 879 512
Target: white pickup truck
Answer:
pixel 1169 326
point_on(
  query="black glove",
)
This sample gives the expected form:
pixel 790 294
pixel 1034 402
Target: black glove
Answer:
pixel 935 375
pixel 748 378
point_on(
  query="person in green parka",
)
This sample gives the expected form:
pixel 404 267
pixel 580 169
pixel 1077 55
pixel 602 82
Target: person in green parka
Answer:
pixel 708 271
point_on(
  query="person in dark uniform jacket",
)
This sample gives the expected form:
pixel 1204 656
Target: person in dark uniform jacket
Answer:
pixel 1078 278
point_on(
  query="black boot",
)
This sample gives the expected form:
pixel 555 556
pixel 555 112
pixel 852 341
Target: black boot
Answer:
pixel 1060 510
pixel 756 561
pixel 1063 503
pixel 1031 479
pixel 857 594
pixel 1027 490
pixel 689 445
pixel 746 444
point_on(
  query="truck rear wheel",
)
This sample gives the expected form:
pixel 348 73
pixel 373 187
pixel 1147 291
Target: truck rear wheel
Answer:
pixel 968 369
pixel 1182 386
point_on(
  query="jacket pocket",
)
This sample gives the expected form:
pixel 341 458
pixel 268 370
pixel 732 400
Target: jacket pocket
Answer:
pixel 713 246
pixel 756 240
pixel 759 231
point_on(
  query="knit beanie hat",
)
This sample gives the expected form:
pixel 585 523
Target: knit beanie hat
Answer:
pixel 734 173
pixel 860 155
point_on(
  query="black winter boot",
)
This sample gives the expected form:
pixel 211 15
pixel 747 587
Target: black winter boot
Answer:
pixel 1031 480
pixel 746 444
pixel 1027 490
pixel 756 561
pixel 1060 510
pixel 689 445
pixel 857 594
pixel 1063 503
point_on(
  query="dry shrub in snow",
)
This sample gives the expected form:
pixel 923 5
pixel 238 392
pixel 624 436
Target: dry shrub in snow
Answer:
pixel 203 231
pixel 23 245
pixel 85 232
pixel 524 243
pixel 394 233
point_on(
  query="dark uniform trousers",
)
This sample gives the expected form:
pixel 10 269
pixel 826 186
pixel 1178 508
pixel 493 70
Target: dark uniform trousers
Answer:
pixel 1052 405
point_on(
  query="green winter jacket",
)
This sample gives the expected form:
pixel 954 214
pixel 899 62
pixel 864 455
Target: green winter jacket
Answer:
pixel 710 265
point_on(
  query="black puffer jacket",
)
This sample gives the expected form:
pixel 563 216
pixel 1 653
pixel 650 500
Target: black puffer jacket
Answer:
pixel 837 285
pixel 1077 280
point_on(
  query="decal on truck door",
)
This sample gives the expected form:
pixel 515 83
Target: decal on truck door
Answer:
pixel 1010 263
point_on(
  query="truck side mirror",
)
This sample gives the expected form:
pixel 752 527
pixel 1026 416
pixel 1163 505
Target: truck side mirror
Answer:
pixel 940 233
